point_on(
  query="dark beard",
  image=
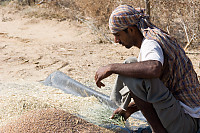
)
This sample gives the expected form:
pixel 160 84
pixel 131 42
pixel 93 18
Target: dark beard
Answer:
pixel 128 47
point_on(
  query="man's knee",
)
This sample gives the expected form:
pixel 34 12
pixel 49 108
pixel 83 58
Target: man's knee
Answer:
pixel 136 86
pixel 149 90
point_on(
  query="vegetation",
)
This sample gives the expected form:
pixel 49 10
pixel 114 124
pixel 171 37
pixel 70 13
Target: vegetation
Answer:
pixel 179 18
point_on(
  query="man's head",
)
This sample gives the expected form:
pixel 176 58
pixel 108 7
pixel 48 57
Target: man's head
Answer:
pixel 123 24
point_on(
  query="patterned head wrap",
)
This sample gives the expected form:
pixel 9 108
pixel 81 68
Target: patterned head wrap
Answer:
pixel 124 16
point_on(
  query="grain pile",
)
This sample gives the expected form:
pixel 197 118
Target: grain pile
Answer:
pixel 51 120
pixel 30 102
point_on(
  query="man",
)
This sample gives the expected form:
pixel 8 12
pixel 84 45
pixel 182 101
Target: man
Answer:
pixel 162 81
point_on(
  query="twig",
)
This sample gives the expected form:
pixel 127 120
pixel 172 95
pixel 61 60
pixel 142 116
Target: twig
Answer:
pixel 185 28
pixel 189 52
pixel 41 2
pixel 147 7
pixel 190 42
pixel 168 30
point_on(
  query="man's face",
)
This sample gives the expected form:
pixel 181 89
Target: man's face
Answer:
pixel 126 38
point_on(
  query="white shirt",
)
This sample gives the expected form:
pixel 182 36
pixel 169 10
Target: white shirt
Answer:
pixel 151 50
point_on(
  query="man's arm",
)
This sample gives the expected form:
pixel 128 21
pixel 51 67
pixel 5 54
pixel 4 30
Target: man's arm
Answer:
pixel 144 69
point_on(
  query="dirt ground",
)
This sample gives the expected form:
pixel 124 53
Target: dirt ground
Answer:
pixel 33 48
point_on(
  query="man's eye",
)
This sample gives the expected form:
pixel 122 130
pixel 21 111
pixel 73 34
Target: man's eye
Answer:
pixel 116 34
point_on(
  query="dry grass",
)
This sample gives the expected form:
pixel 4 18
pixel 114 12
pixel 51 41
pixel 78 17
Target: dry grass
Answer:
pixel 181 18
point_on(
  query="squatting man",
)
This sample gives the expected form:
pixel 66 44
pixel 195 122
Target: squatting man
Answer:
pixel 161 81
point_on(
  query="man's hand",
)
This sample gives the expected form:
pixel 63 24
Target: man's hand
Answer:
pixel 132 108
pixel 102 73
pixel 121 112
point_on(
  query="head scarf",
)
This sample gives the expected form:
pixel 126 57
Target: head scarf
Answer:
pixel 178 73
pixel 124 16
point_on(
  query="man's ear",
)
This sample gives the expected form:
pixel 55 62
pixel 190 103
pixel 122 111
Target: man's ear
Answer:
pixel 131 28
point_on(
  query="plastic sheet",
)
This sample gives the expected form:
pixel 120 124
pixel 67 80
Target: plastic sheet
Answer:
pixel 60 80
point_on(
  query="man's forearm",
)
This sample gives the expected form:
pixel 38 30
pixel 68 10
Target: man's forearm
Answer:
pixel 145 69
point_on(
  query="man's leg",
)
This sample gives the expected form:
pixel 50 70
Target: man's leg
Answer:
pixel 198 120
pixel 146 108
pixel 152 94
pixel 150 114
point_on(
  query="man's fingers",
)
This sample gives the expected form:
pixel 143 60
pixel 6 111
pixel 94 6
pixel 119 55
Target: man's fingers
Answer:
pixel 102 84
pixel 98 81
pixel 113 115
pixel 96 77
pixel 117 111
pixel 99 84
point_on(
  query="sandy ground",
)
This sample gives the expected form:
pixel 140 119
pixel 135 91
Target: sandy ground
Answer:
pixel 33 48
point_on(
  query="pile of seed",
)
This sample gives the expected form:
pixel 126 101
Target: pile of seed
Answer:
pixel 50 120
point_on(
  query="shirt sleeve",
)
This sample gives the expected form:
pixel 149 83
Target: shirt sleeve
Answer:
pixel 151 50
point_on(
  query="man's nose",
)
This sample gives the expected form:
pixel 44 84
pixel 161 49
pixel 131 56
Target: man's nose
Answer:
pixel 117 40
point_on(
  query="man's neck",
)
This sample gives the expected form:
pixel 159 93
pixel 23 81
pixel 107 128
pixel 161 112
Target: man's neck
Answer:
pixel 141 39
